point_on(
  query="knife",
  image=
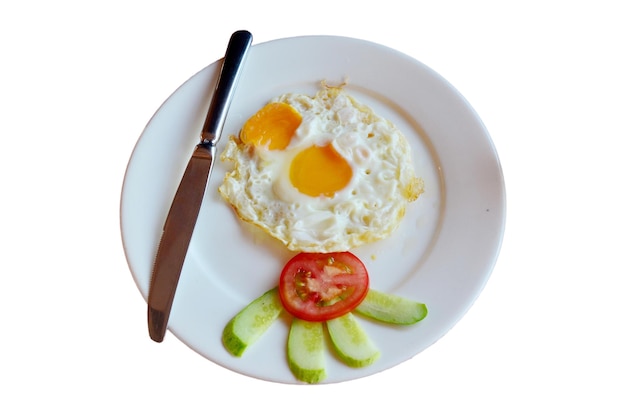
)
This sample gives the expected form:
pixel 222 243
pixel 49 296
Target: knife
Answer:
pixel 183 213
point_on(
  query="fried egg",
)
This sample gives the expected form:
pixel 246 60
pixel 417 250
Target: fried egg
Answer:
pixel 320 173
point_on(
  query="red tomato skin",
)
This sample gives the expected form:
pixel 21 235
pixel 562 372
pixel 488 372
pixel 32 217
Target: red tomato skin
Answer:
pixel 352 284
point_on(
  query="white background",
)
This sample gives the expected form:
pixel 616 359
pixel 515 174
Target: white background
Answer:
pixel 80 80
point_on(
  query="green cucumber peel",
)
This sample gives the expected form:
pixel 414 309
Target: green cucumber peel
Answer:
pixel 249 324
pixel 305 351
pixel 351 342
pixel 392 309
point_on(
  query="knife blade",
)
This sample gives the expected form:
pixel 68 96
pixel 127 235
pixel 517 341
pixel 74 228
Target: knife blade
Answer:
pixel 183 213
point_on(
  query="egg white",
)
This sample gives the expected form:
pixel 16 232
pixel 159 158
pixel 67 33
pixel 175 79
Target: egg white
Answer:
pixel 367 209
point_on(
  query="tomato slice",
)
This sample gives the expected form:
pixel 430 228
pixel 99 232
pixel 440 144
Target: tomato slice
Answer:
pixel 320 287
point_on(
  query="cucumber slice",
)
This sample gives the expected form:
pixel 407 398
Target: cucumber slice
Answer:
pixel 305 350
pixel 391 308
pixel 251 322
pixel 351 342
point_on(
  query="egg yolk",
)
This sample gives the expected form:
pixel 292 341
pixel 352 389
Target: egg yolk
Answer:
pixel 272 126
pixel 319 171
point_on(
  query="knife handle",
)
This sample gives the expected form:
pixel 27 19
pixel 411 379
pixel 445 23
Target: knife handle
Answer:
pixel 234 57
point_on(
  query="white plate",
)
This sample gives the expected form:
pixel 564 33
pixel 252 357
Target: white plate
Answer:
pixel 442 254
